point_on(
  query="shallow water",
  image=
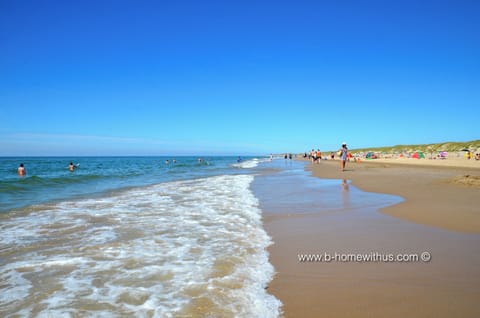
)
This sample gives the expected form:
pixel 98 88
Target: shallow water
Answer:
pixel 292 190
pixel 182 241
pixel 179 248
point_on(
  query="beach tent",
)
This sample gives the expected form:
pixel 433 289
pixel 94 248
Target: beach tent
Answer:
pixel 371 155
pixel 418 155
pixel 443 154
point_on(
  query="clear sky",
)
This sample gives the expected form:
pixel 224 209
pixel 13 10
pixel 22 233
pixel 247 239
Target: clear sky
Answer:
pixel 235 77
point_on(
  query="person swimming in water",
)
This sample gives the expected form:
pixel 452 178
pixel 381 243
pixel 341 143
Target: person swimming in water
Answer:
pixel 71 166
pixel 21 170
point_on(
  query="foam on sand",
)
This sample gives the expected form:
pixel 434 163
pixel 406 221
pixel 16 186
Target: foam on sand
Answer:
pixel 193 247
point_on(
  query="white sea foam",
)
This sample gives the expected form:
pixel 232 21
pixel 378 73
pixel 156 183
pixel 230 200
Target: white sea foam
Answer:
pixel 192 247
pixel 251 163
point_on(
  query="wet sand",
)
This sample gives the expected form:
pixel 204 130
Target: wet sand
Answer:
pixel 431 212
pixel 436 195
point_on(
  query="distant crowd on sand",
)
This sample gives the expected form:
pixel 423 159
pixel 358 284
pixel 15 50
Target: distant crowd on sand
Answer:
pixel 316 156
pixel 469 155
pixel 343 154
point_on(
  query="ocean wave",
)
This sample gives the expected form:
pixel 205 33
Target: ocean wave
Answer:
pixel 249 164
pixel 182 248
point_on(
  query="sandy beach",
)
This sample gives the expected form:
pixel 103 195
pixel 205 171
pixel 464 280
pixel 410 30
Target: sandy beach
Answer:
pixel 441 193
pixel 436 212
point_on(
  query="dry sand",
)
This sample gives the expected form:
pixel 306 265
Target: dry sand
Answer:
pixel 440 214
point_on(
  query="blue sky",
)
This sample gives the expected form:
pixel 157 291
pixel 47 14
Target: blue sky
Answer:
pixel 235 77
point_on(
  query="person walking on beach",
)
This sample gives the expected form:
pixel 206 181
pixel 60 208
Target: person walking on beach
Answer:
pixel 343 155
pixel 21 170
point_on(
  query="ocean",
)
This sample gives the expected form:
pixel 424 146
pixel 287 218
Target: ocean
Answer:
pixel 134 237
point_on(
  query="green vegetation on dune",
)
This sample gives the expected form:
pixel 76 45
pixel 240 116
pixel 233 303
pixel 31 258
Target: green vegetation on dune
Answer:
pixel 444 146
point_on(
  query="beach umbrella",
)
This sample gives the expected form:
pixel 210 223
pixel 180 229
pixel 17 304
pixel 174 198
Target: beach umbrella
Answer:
pixel 418 155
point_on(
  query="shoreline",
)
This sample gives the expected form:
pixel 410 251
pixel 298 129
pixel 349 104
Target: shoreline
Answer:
pixel 446 286
pixel 431 192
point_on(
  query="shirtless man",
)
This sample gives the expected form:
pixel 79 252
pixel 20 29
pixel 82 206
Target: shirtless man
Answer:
pixel 21 170
pixel 313 155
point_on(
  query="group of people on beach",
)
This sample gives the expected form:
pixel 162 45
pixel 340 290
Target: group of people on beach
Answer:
pixel 470 155
pixel 316 156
